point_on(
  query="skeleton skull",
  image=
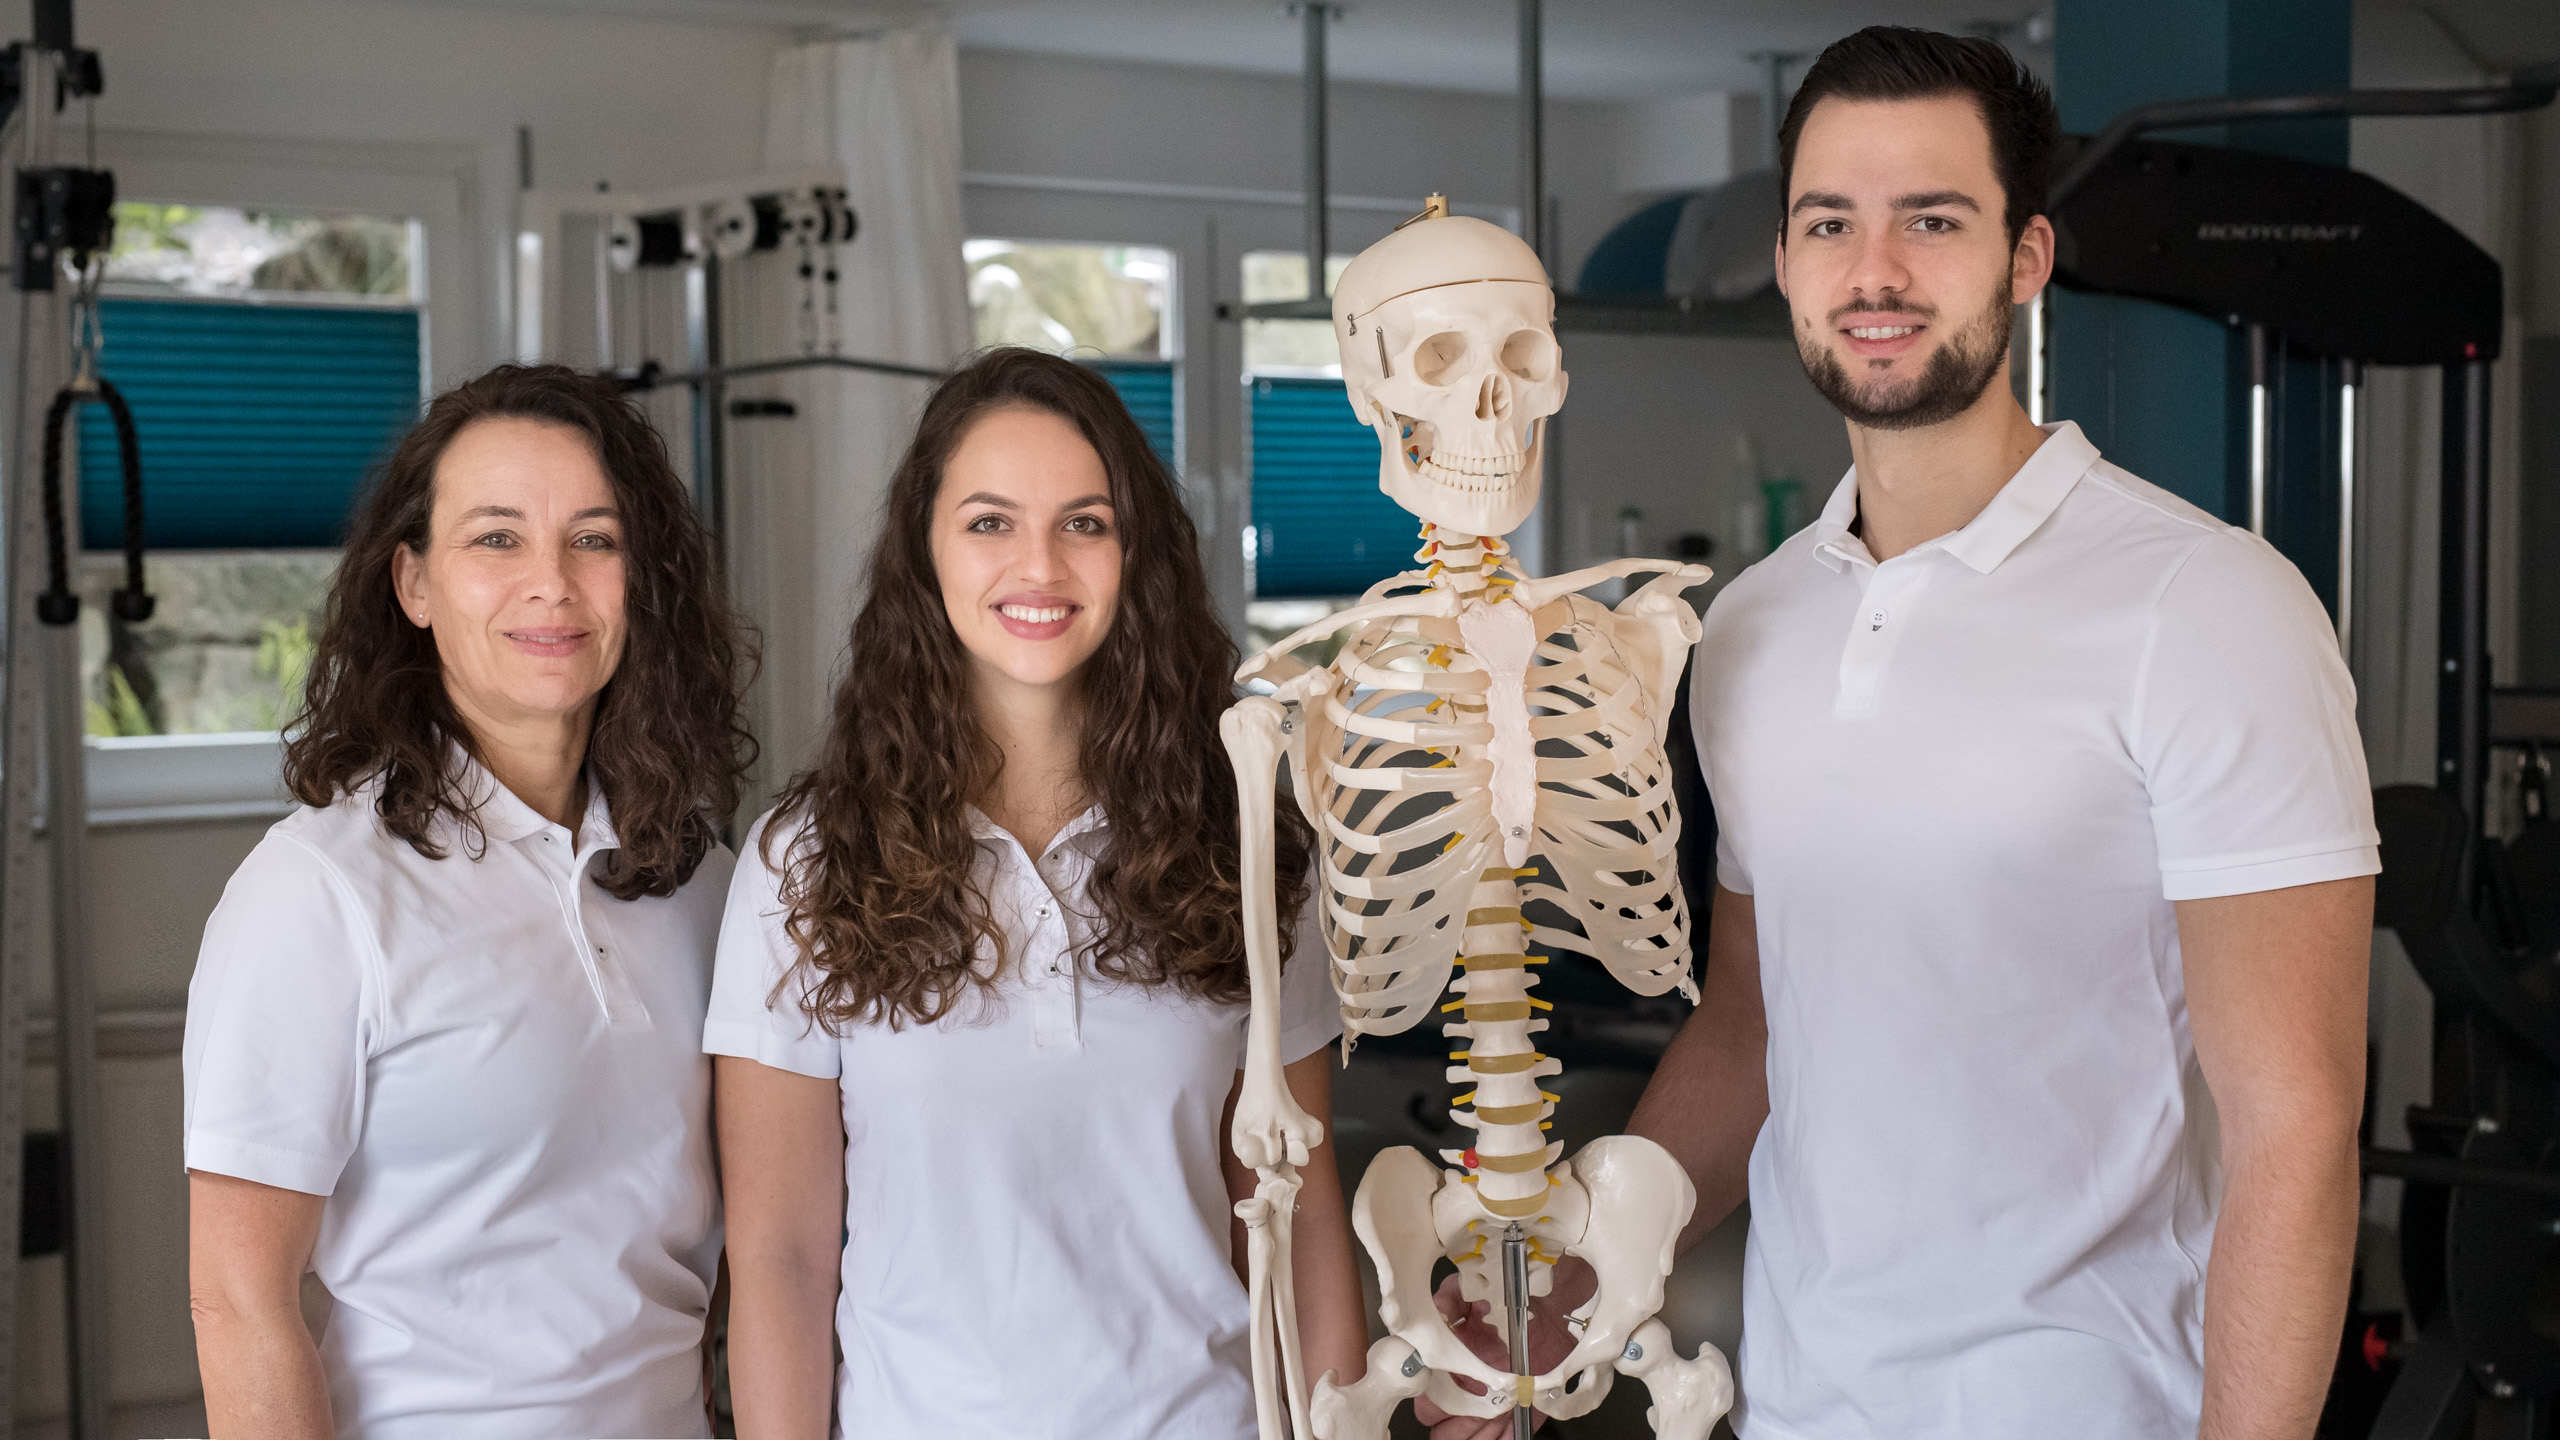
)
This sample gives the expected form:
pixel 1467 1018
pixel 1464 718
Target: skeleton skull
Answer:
pixel 1447 331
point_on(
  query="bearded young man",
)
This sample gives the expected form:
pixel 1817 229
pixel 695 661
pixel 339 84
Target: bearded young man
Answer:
pixel 2033 1024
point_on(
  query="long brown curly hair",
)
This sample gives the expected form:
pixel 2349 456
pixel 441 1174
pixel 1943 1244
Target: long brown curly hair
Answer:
pixel 667 749
pixel 880 887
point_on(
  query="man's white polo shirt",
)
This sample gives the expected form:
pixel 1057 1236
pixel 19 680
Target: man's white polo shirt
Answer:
pixel 1964 788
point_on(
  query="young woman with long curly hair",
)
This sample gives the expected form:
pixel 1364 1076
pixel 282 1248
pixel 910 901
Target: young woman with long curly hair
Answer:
pixel 979 1006
pixel 443 1042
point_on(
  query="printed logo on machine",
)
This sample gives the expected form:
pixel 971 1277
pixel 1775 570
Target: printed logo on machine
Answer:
pixel 2211 231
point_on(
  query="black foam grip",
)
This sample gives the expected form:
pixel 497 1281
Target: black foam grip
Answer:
pixel 58 605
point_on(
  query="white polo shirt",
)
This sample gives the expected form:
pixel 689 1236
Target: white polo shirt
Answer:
pixel 1964 788
pixel 494 1071
pixel 1037 1224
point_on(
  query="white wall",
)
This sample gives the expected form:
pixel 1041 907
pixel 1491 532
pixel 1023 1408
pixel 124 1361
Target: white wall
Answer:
pixel 633 102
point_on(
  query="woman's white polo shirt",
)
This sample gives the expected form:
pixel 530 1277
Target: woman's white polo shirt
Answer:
pixel 1036 1221
pixel 493 1070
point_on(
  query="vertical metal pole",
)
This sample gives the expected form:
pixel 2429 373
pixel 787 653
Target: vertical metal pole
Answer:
pixel 1773 98
pixel 48 657
pixel 703 352
pixel 21 560
pixel 2257 430
pixel 1315 13
pixel 1533 130
pixel 2462 633
pixel 1515 1301
pixel 75 1025
pixel 2036 367
pixel 2351 380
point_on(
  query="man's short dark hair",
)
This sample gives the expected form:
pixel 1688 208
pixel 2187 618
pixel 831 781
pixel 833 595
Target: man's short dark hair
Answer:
pixel 1895 62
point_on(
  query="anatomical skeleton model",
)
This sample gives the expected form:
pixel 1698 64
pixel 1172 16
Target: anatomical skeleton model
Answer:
pixel 1482 740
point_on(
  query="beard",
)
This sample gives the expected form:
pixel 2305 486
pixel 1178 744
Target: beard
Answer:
pixel 1955 377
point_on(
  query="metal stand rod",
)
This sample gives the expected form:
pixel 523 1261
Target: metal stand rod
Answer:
pixel 702 350
pixel 2259 438
pixel 2350 383
pixel 2525 90
pixel 1533 131
pixel 1515 1301
pixel 2462 630
pixel 1314 14
pixel 75 1014
pixel 651 379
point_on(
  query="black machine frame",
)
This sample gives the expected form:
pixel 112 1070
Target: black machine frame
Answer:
pixel 2265 244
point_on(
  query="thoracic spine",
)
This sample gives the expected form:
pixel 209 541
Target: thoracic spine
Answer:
pixel 1494 1054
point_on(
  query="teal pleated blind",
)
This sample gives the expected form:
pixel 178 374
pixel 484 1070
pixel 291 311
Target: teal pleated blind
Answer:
pixel 258 423
pixel 1146 387
pixel 1321 525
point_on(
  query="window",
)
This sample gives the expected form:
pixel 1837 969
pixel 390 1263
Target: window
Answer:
pixel 270 361
pixel 1322 530
pixel 1110 306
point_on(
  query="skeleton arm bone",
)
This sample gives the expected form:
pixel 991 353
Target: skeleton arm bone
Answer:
pixel 1536 593
pixel 1270 1129
pixel 1435 601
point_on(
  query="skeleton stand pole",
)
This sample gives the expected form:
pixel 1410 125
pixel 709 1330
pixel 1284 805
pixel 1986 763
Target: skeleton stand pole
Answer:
pixel 1515 1298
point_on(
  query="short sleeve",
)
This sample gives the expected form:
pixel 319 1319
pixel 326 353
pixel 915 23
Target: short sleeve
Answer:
pixel 1702 673
pixel 756 981
pixel 1310 1016
pixel 281 1020
pixel 2244 726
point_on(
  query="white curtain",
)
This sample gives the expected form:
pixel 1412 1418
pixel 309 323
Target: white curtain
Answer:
pixel 806 491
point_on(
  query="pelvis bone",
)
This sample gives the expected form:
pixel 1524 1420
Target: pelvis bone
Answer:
pixel 1619 1204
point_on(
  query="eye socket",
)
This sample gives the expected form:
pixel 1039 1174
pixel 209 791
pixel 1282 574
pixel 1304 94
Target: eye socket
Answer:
pixel 1530 355
pixel 1435 359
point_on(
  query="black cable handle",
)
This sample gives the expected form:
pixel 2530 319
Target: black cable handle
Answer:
pixel 59 604
pixel 133 604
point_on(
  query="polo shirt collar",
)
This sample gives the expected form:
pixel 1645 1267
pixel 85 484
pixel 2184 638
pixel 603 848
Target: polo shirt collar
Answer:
pixel 1092 821
pixel 2018 511
pixel 504 816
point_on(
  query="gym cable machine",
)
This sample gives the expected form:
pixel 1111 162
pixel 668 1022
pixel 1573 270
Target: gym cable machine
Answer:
pixel 61 220
pixel 2268 244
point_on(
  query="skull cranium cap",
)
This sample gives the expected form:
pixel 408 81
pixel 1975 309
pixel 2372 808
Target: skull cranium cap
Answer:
pixel 1449 250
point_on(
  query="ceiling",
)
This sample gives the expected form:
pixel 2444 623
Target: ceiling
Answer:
pixel 1595 49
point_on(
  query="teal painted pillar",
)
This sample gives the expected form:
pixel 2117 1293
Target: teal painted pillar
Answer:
pixel 2160 391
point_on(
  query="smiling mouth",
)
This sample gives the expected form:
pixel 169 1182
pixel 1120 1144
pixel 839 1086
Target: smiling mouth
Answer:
pixel 1036 614
pixel 1882 332
pixel 554 641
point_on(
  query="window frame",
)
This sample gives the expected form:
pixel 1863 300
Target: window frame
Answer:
pixel 458 199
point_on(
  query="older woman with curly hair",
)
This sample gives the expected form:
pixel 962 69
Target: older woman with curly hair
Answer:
pixel 444 1041
pixel 979 1007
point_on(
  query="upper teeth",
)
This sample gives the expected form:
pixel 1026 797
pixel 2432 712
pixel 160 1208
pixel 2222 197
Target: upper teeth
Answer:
pixel 1473 474
pixel 1882 332
pixel 1034 614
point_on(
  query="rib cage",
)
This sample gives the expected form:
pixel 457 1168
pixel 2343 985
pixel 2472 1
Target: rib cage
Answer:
pixel 1396 747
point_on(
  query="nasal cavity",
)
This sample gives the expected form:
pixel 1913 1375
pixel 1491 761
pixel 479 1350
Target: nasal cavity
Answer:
pixel 1493 397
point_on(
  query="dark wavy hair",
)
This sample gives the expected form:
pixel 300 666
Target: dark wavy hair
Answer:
pixel 880 887
pixel 1896 62
pixel 667 749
